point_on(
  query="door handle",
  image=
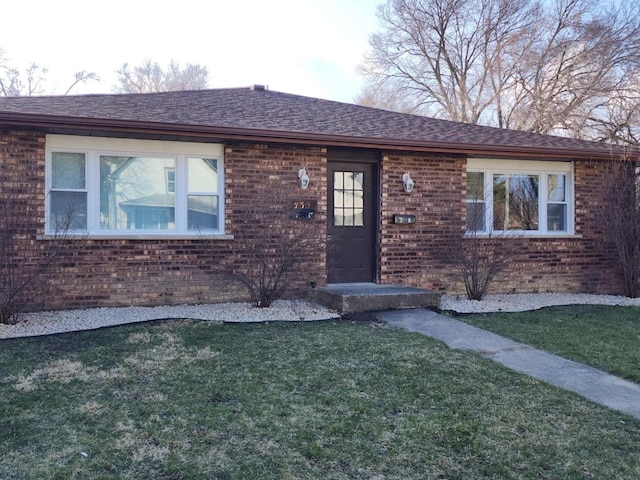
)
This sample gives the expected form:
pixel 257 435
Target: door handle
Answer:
pixel 328 237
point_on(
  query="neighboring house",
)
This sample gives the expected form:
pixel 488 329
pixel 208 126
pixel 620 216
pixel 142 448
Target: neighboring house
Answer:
pixel 149 176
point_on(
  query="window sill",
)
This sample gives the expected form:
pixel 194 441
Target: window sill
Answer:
pixel 500 235
pixel 85 236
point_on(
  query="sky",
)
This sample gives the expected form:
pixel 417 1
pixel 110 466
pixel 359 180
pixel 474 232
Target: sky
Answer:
pixel 304 47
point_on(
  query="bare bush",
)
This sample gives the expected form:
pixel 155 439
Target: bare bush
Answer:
pixel 482 252
pixel 275 249
pixel 28 266
pixel 479 259
pixel 620 217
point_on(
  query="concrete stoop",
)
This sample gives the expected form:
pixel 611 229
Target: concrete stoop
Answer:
pixel 371 297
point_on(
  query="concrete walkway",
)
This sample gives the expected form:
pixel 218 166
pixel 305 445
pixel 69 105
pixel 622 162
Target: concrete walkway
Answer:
pixel 598 386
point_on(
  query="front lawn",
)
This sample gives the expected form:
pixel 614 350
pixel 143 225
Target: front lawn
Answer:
pixel 604 337
pixel 329 400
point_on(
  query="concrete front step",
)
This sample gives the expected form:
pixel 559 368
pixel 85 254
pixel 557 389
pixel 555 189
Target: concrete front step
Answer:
pixel 370 297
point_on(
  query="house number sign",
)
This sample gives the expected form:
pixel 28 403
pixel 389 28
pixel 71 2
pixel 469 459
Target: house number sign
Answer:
pixel 304 209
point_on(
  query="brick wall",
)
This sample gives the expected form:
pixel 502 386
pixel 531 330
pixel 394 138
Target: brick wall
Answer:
pixel 257 174
pixel 122 272
pixel 421 254
pixel 118 272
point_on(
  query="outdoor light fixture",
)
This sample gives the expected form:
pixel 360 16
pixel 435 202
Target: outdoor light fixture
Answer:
pixel 304 178
pixel 408 182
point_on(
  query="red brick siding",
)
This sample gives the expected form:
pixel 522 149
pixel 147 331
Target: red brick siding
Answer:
pixel 256 172
pixel 22 197
pixel 421 254
pixel 418 254
pixel 122 272
pixel 158 271
pixel 23 175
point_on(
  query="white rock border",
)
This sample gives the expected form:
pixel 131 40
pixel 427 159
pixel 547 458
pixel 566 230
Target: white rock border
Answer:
pixel 47 323
pixel 520 302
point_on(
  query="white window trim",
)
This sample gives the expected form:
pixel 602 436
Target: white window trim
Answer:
pixel 522 167
pixel 94 147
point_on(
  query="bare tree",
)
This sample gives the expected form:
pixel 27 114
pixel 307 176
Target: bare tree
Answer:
pixel 280 245
pixel 619 119
pixel 546 67
pixel 31 81
pixel 29 267
pixel 620 217
pixel 150 77
pixel 382 96
pixel 81 77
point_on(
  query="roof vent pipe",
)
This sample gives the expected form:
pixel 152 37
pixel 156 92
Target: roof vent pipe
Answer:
pixel 259 88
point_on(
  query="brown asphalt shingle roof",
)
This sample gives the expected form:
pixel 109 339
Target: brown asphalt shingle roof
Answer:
pixel 270 114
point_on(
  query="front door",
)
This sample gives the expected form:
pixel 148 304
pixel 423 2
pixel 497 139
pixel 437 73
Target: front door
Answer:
pixel 352 222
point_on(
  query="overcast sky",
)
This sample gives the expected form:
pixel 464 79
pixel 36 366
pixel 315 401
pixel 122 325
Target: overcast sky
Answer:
pixel 306 47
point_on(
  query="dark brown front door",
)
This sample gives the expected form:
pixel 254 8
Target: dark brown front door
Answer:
pixel 352 222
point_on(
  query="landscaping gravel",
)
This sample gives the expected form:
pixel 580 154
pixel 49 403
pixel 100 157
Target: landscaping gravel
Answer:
pixel 46 323
pixel 522 302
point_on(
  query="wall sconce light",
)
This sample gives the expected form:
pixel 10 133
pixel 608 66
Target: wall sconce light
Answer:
pixel 304 178
pixel 408 182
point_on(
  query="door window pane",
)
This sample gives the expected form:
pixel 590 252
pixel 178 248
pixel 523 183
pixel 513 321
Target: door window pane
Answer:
pixel 358 215
pixel 358 199
pixel 348 199
pixel 134 193
pixel 348 218
pixel 358 180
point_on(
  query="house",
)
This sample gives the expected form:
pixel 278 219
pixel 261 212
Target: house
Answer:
pixel 147 174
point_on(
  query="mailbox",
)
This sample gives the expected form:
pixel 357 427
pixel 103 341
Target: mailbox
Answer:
pixel 404 218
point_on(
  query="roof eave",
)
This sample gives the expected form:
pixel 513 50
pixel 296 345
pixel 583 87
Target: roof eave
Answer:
pixel 291 137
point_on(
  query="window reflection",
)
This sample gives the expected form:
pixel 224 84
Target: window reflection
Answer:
pixel 515 202
pixel 557 203
pixel 135 194
pixel 202 201
pixel 475 201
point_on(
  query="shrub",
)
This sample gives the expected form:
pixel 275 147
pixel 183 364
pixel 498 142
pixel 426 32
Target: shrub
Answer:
pixel 275 249
pixel 28 266
pixel 620 217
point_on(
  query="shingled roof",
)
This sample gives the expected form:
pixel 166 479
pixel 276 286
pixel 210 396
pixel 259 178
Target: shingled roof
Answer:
pixel 263 115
